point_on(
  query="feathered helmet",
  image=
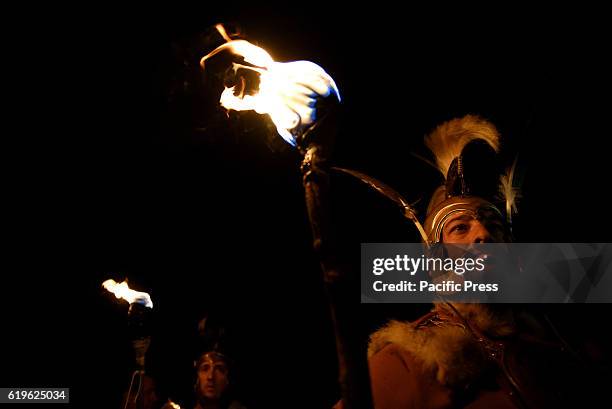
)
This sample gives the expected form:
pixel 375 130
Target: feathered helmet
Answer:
pixel 212 342
pixel 458 194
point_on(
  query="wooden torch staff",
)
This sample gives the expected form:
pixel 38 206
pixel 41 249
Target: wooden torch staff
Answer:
pixel 352 357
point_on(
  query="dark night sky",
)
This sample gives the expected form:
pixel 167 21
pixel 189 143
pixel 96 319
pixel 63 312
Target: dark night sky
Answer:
pixel 121 164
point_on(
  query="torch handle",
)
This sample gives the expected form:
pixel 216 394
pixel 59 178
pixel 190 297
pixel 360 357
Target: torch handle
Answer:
pixel 141 345
pixel 352 363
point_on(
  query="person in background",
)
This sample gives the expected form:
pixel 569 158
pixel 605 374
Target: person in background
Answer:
pixel 214 369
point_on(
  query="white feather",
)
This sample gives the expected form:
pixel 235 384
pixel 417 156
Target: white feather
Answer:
pixel 509 192
pixel 448 140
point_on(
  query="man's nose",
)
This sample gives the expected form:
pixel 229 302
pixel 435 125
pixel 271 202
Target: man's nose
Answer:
pixel 480 234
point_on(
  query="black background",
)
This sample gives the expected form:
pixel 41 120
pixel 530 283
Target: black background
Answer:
pixel 119 163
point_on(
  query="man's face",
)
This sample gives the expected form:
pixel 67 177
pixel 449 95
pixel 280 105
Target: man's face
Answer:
pixel 212 377
pixel 465 228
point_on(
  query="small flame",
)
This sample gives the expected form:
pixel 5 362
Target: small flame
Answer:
pixel 121 290
pixel 287 91
pixel 222 31
pixel 171 405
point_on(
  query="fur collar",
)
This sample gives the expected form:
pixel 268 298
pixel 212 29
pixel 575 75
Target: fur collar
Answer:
pixel 449 350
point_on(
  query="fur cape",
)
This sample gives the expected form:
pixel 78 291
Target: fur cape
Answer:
pixel 447 350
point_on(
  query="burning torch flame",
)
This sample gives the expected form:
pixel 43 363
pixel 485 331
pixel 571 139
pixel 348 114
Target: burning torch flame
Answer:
pixel 287 91
pixel 171 405
pixel 121 290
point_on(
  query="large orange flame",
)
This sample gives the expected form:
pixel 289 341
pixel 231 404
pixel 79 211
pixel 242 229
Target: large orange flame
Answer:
pixel 287 91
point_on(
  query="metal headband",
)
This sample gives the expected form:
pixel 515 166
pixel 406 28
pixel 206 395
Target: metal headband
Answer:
pixel 441 215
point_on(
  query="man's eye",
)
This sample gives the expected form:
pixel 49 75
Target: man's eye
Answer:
pixel 459 228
